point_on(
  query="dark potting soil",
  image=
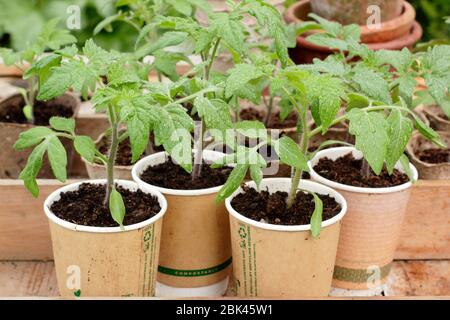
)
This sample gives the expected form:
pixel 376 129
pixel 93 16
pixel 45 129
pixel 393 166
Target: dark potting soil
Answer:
pixel 434 155
pixel 43 111
pixel 171 176
pixel 274 121
pixel 124 154
pixel 272 207
pixel 347 170
pixel 85 206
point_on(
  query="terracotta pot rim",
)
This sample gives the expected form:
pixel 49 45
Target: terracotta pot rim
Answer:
pixel 357 154
pixel 411 152
pixel 406 18
pixel 305 184
pixel 54 196
pixel 27 125
pixel 409 39
pixel 156 158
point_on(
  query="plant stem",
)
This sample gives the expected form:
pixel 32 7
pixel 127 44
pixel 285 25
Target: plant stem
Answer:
pixel 112 154
pixel 365 168
pixel 295 181
pixel 198 157
pixel 211 61
pixel 269 111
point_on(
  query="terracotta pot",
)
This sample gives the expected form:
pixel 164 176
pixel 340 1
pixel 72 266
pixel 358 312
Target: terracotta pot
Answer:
pixel 105 261
pixel 370 230
pixel 98 171
pixel 428 171
pixel 195 257
pixel 393 35
pixel 390 29
pixel 437 118
pixel 355 11
pixel 283 261
pixel 10 71
pixel 11 161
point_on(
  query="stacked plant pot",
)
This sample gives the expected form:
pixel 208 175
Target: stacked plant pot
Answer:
pixel 396 30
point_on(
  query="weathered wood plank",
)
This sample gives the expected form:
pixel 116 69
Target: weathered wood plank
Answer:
pixel 24 231
pixel 426 230
pixel 408 279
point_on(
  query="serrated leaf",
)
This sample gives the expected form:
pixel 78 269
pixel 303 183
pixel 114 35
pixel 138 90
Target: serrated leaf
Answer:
pixel 290 153
pixel 240 75
pixel 63 124
pixel 229 29
pixel 371 136
pixel 32 137
pixel 428 132
pixel 237 175
pixel 399 129
pixel 251 129
pixel 372 84
pixel 58 158
pixel 116 207
pixel 407 84
pixel 34 164
pixel 404 162
pixel 324 40
pixel 85 147
pixel 168 39
pixel 316 217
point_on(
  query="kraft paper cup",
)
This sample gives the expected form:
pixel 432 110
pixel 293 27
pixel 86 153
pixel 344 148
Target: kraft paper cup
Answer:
pixel 278 261
pixel 106 261
pixel 370 230
pixel 195 257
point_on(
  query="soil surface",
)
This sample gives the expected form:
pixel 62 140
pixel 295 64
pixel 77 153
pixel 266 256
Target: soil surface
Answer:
pixel 434 155
pixel 85 206
pixel 272 208
pixel 347 170
pixel 171 176
pixel 274 121
pixel 43 111
pixel 124 154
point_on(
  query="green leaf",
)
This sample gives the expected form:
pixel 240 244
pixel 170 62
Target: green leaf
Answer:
pixel 85 147
pixel 324 40
pixel 356 100
pixel 9 56
pixel 251 129
pixel 316 218
pixel 324 95
pixel 256 174
pixel 428 132
pixel 240 75
pixel 32 137
pixel 233 182
pixel 116 207
pixel 404 162
pixel 229 29
pixel 63 124
pixel 99 58
pixel 407 84
pixel 171 38
pixel 372 84
pixel 34 164
pixel 58 158
pixel 290 153
pixel 399 129
pixel 438 88
pixel 28 112
pixel 371 136
pixel 331 27
pixel 400 60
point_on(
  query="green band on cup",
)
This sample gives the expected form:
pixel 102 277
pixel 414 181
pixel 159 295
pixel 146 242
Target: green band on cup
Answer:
pixel 194 273
pixel 359 275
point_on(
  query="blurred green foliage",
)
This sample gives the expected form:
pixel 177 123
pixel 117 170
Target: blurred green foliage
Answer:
pixel 432 14
pixel 21 21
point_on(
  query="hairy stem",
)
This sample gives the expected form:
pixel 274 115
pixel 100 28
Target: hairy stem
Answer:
pixel 365 168
pixel 198 157
pixel 269 111
pixel 112 154
pixel 211 61
pixel 304 142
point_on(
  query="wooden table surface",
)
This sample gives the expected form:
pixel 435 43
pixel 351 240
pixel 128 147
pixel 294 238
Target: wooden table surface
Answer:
pixel 426 278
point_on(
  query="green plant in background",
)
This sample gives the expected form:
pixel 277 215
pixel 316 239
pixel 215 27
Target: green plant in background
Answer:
pixel 35 69
pixel 133 106
pixel 16 17
pixel 432 15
